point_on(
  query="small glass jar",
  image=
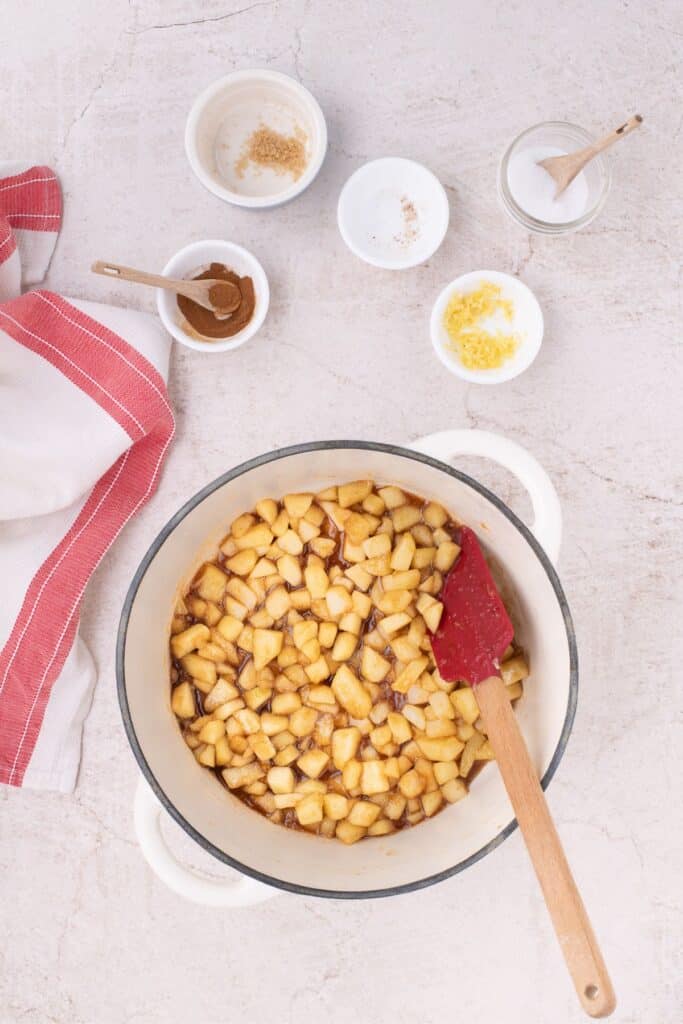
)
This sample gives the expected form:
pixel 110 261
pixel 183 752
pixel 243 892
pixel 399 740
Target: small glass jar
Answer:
pixel 567 137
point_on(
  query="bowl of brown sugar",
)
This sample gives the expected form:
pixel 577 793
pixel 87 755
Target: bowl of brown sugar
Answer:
pixel 199 328
pixel 256 138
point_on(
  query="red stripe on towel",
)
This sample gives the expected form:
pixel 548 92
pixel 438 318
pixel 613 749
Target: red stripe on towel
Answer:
pixel 127 387
pixel 7 242
pixel 32 200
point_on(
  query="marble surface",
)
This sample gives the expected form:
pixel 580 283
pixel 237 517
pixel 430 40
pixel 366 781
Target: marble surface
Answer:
pixel 100 91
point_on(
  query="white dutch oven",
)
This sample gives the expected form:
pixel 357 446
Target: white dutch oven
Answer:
pixel 269 856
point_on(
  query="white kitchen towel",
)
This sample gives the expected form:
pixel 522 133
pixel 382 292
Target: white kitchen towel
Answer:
pixel 85 424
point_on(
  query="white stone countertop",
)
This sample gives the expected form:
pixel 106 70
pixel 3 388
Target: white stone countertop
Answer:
pixel 100 91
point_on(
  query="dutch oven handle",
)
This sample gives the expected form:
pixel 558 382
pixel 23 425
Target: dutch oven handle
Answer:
pixel 213 892
pixel 547 524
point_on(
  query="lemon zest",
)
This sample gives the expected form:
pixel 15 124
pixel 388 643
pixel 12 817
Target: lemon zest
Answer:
pixel 477 348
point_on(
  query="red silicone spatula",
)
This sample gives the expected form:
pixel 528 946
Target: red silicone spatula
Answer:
pixel 473 633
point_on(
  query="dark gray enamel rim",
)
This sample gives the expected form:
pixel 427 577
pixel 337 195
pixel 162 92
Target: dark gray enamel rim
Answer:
pixel 232 474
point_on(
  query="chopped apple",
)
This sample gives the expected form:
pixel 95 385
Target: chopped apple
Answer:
pixel 410 674
pixel 446 555
pixel 267 645
pixel 291 543
pixel 345 743
pixel 262 746
pixel 344 646
pixel 202 671
pixel 189 640
pixel 338 601
pixel 353 493
pixel 403 518
pixel 454 790
pixel 395 601
pixel 373 780
pixel 349 833
pixel 402 555
pixel 243 562
pixel 377 545
pixel 513 670
pixel 356 528
pixel 230 627
pixel 318 670
pixel 351 693
pixel 259 537
pixel 393 497
pixel 317 580
pixel 411 784
pixel 263 569
pixel 302 722
pixel 182 701
pixel 373 666
pixel 309 811
pixel 465 704
pixel 431 802
pixel 359 576
pixel 210 583
pixel 327 632
pixel 243 776
pixel 267 509
pixel 400 727
pixel 363 813
pixel 313 763
pixel 222 692
pixel 335 806
pixel 444 749
pixel 297 505
pixel 444 771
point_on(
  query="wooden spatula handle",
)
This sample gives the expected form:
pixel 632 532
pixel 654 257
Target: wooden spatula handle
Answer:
pixel 572 926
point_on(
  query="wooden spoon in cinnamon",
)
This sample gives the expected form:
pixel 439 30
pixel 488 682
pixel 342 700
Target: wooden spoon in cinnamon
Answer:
pixel 220 297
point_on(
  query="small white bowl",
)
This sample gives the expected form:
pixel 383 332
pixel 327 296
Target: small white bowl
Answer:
pixel 393 213
pixel 192 260
pixel 527 322
pixel 224 116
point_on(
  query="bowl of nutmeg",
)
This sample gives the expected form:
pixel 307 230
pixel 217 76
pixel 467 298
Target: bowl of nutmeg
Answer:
pixel 227 264
pixel 256 138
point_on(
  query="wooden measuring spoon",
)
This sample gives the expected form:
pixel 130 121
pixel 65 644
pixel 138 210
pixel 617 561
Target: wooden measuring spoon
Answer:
pixel 220 297
pixel 563 169
pixel 470 639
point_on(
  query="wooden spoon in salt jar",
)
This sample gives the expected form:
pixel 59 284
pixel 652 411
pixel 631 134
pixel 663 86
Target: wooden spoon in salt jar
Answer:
pixel 563 169
pixel 220 297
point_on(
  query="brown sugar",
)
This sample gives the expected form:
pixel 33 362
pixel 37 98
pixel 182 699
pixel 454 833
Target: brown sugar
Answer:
pixel 284 154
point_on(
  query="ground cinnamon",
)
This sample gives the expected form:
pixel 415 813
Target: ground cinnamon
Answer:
pixel 224 296
pixel 204 322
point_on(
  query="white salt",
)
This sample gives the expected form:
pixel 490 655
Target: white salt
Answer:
pixel 533 188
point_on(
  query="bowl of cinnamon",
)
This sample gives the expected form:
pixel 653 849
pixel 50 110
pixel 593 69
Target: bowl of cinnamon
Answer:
pixel 256 138
pixel 202 329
